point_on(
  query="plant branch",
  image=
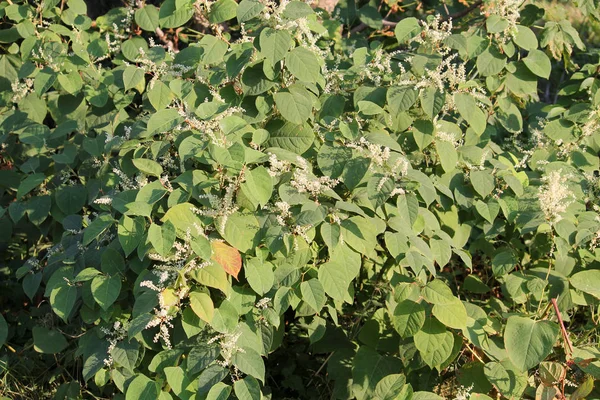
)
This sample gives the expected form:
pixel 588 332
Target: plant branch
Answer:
pixel 163 38
pixel 562 328
pixel 460 14
pixel 320 368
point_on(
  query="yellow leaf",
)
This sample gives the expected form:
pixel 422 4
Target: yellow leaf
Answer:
pixel 227 257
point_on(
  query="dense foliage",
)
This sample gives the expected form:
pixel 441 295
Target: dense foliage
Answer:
pixel 257 199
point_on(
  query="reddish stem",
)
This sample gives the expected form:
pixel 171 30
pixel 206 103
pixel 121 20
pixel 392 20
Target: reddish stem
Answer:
pixel 562 327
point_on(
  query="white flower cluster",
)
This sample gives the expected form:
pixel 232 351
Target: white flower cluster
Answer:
pixel 300 231
pixel 105 200
pixel 228 345
pixel 211 127
pixel 555 196
pixel 305 182
pixel 509 11
pixel 448 77
pixel 221 207
pixel 263 303
pixel 277 166
pixel 126 183
pixel 379 155
pixel 334 77
pixel 46 59
pixel 449 137
pixel 536 139
pixel 114 336
pixel 379 67
pixel 464 393
pixel 163 320
pixel 21 89
pixel 182 261
pixel 159 70
pixel 434 33
pixel 284 212
pixel 592 125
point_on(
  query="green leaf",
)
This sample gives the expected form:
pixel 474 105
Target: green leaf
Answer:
pixel 303 64
pixel 538 62
pixel 470 111
pixel 48 341
pixel 29 183
pixel 214 49
pixel 210 377
pixel 71 82
pixel 496 24
pixel 370 16
pixel 147 17
pixel 213 275
pixel 202 305
pixel 448 155
pixel 529 342
pixel 407 29
pixel 148 167
pixel 126 354
pixel 432 101
pixel 297 9
pixel 241 231
pixel 491 62
pixel 525 38
pixel 504 262
pixel 483 182
pixel 62 300
pixel 313 294
pixel 97 227
pixel 179 382
pixel 152 192
pixel 452 314
pixel 369 108
pixel 332 160
pixel 437 292
pixel 133 78
pixel 587 281
pixel 221 11
pixel 335 277
pixel 71 199
pixel 368 368
pixel 295 104
pixel 106 290
pixel 200 357
pixel 172 16
pixel 408 318
pixel 142 388
pixel 251 363
pixel 248 9
pixel 162 237
pixel 393 387
pixel 274 44
pixel 183 218
pixel 259 275
pixel 401 98
pixel 219 391
pixel 289 136
pixel 434 343
pixel 163 121
pixel 247 389
pixel 131 233
pixel 160 95
pixel 509 381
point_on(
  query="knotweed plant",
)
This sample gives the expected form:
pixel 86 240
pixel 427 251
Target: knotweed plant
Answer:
pixel 257 199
